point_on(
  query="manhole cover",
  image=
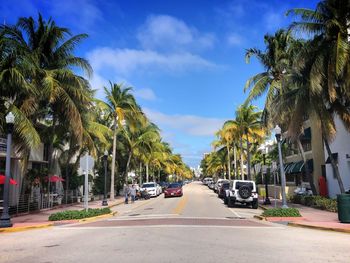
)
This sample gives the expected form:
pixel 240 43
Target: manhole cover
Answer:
pixel 134 215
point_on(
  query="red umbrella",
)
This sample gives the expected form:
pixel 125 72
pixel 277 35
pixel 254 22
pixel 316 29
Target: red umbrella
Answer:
pixel 3 177
pixel 55 178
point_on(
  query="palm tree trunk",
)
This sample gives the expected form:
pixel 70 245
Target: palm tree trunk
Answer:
pixel 235 159
pixel 127 167
pixel 140 173
pixel 248 158
pixel 334 166
pixel 242 170
pixel 307 170
pixel 113 159
pixel 147 179
pixel 228 162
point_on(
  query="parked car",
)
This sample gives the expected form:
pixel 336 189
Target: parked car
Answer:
pixel 207 180
pixel 174 189
pixel 211 185
pixel 244 192
pixel 152 188
pixel 222 190
pixel 218 184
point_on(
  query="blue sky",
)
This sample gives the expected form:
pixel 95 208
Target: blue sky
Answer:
pixel 185 59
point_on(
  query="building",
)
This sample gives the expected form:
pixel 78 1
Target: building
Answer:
pixel 312 144
pixel 340 148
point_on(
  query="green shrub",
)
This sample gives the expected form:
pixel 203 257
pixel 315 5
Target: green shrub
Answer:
pixel 316 201
pixel 78 214
pixel 281 212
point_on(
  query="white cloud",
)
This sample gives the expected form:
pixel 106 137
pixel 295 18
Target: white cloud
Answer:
pixel 274 20
pixel 146 94
pixel 188 124
pixel 234 39
pixel 163 32
pixel 126 61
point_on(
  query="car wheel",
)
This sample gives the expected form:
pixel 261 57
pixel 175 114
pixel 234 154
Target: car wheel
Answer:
pixel 225 200
pixel 244 191
pixel 230 203
pixel 255 205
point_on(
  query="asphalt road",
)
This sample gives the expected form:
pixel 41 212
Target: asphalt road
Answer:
pixel 194 228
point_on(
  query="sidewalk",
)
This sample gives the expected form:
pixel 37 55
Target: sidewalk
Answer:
pixel 40 219
pixel 313 218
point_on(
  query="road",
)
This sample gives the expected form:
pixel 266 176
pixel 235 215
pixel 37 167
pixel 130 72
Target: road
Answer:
pixel 197 227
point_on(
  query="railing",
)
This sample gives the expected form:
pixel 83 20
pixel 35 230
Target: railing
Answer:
pixel 35 202
pixel 3 143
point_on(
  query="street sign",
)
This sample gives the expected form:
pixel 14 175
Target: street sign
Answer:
pixel 87 163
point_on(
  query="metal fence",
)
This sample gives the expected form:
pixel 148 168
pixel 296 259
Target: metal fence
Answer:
pixel 32 203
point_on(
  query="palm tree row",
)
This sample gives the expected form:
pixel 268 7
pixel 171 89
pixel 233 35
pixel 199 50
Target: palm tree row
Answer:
pixel 307 76
pixel 55 105
pixel 235 138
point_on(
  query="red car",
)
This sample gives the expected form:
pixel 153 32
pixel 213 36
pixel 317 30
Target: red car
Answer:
pixel 174 189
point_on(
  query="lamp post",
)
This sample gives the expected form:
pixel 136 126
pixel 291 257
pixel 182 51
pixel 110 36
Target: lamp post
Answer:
pixel 5 220
pixel 278 133
pixel 264 151
pixel 105 157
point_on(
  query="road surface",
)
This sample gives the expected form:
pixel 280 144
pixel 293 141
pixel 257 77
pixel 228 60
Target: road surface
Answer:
pixel 197 227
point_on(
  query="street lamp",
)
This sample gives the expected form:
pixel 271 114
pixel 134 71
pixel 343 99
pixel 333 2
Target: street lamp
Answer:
pixel 5 220
pixel 264 151
pixel 105 157
pixel 278 133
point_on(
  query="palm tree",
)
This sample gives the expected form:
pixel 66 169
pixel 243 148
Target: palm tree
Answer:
pixel 122 107
pixel 326 66
pixel 57 95
pixel 248 122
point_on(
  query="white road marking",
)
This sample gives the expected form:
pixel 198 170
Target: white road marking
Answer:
pixel 235 213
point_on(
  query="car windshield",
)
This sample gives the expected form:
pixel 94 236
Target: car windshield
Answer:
pixel 225 185
pixel 174 185
pixel 148 185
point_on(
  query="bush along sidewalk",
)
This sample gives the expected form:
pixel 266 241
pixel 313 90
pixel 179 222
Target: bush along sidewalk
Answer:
pixel 316 201
pixel 79 214
pixel 281 212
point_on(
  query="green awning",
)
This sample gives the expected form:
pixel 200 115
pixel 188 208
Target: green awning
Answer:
pixel 296 167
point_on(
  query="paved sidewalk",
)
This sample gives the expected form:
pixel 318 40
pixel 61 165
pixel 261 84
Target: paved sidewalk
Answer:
pixel 40 219
pixel 314 218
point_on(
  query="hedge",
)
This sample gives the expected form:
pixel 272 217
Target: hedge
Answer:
pixel 79 214
pixel 281 212
pixel 316 201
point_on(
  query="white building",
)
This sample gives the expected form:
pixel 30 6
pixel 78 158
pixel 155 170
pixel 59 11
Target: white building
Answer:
pixel 340 148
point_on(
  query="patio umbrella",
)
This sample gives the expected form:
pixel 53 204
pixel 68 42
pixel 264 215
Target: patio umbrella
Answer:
pixel 55 178
pixel 3 178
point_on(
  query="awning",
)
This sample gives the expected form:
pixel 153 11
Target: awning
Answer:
pixel 296 167
pixel 310 164
pixel 335 157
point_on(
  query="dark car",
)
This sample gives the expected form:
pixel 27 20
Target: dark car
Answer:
pixel 173 189
pixel 222 190
pixel 164 185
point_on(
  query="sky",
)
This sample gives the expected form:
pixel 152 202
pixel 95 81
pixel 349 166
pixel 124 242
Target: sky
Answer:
pixel 185 59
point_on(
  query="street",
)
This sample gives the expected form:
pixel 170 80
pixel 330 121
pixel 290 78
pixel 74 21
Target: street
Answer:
pixel 197 227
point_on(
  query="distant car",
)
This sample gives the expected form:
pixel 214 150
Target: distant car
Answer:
pixel 174 189
pixel 218 184
pixel 207 180
pixel 222 190
pixel 152 188
pixel 164 185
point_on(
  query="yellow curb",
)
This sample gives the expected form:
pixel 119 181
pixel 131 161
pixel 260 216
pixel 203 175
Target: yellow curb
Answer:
pixel 341 230
pixel 25 228
pixel 89 219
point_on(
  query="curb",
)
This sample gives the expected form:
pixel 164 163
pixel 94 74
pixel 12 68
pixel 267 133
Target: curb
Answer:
pixel 25 228
pixel 263 207
pixel 90 219
pixel 333 229
pixel 260 217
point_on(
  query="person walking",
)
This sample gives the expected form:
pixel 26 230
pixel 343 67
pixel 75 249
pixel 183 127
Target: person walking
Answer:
pixel 126 191
pixel 133 193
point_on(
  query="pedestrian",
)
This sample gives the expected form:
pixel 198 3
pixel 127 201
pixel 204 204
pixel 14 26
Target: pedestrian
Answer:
pixel 133 193
pixel 126 193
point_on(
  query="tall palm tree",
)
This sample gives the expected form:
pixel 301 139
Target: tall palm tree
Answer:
pixel 122 107
pixel 326 66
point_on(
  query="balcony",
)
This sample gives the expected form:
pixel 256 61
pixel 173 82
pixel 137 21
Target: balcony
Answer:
pixel 3 143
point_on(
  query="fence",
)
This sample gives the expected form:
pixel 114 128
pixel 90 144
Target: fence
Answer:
pixel 30 203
